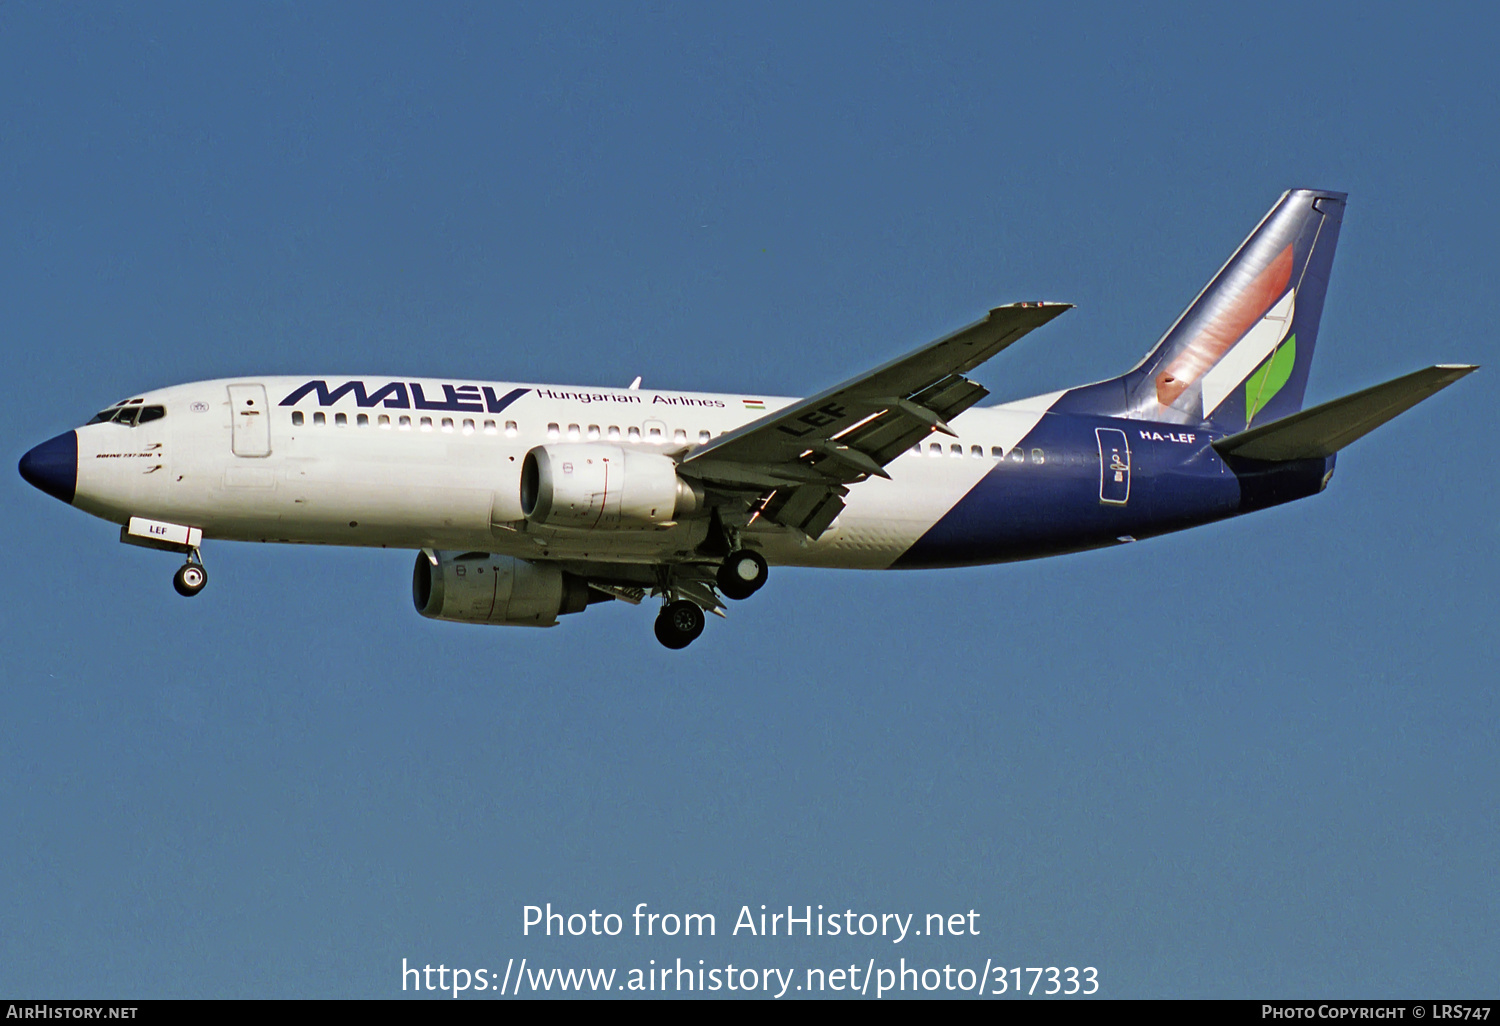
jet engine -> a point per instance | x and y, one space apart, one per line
477 587
603 487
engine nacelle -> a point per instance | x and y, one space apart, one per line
477 587
603 487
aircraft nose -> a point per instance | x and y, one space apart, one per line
53 466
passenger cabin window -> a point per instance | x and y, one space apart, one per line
654 436
679 436
977 451
553 432
385 421
935 449
703 437
997 452
425 424
511 430
614 433
341 419
296 418
319 418
447 425
955 450
1038 457
363 420
468 426
405 423
634 434
593 432
574 433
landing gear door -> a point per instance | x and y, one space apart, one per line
1114 466
252 420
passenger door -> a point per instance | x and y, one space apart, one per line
252 420
1114 466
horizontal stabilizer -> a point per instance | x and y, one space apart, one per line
1324 430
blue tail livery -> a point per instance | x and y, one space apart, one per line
1240 353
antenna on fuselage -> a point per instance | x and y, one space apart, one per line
634 384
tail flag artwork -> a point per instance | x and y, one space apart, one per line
1241 350
1224 327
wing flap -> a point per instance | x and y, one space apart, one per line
1325 429
809 509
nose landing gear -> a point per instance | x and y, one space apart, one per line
191 577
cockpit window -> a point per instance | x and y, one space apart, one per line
129 414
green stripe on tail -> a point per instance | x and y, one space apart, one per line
1262 386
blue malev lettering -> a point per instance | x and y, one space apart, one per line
393 395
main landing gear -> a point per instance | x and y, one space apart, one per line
742 574
679 623
191 577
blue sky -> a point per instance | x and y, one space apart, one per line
1258 758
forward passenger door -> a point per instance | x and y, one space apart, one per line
252 420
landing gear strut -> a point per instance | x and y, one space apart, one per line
679 623
742 574
190 577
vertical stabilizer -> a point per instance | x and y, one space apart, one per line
1239 355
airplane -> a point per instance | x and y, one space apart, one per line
528 502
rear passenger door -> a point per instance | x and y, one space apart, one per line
1114 466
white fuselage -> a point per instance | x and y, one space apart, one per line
230 459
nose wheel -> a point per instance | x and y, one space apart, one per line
679 624
742 574
190 577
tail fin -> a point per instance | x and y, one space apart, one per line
1239 355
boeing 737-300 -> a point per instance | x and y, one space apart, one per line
527 502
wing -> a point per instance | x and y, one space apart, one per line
801 459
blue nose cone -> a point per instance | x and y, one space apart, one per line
53 466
